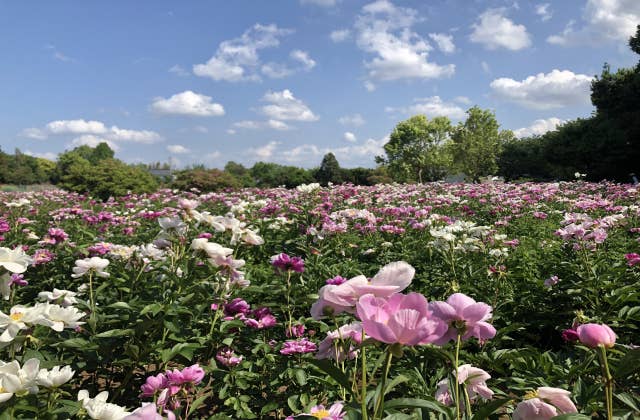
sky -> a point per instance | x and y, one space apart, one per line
287 81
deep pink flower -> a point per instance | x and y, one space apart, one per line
632 259
594 335
336 281
154 384
295 331
404 319
191 374
236 306
299 346
283 262
228 357
464 316
570 335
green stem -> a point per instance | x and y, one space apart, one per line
608 382
457 385
467 402
380 404
363 394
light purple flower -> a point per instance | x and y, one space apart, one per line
464 316
299 346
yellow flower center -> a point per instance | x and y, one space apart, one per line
17 316
531 394
321 414
2 390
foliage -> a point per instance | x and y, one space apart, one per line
204 180
329 171
477 142
23 169
415 151
273 175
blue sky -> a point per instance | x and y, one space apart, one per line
287 81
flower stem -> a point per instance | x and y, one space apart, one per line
363 394
380 404
457 386
608 382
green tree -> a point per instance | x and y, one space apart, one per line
477 143
240 172
416 149
205 180
267 174
329 170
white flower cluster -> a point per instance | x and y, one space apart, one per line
239 230
460 236
17 380
50 315
307 188
221 257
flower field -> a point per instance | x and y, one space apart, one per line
435 301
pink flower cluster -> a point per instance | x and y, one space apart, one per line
167 386
632 259
228 357
259 318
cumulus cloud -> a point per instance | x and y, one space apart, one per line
283 106
89 132
276 70
602 21
539 127
177 149
34 133
432 107
350 137
354 120
76 127
278 125
257 125
545 91
92 141
384 30
340 35
237 59
543 11
444 42
264 152
45 155
303 58
462 100
187 103
494 30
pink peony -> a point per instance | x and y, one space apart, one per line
594 335
404 319
465 316
544 404
632 259
154 384
299 346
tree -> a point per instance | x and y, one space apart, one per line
205 180
415 150
239 172
329 170
477 143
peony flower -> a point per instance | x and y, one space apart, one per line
329 350
299 346
63 298
544 404
14 260
18 380
392 278
464 316
148 411
90 265
58 317
189 375
154 384
473 378
335 412
228 357
594 335
404 319
283 262
55 377
632 259
99 408
20 318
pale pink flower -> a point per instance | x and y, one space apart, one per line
464 316
545 403
594 335
350 333
404 319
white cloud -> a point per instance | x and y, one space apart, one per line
92 141
350 137
213 156
284 106
444 42
321 3
187 103
494 30
360 154
432 107
303 58
304 155
237 59
545 91
264 152
384 30
369 85
603 21
257 125
276 70
231 131
46 155
355 120
58 55
135 136
179 70
177 149
76 127
539 127
34 133
543 11
462 100
340 35
485 67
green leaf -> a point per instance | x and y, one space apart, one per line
197 403
330 369
301 377
628 365
628 400
489 408
115 333
432 405
120 305
571 416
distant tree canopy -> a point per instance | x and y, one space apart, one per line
21 169
603 146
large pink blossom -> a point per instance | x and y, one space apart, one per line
465 316
594 335
404 319
392 278
546 403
